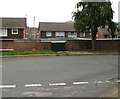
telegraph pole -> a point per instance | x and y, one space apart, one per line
35 35
34 21
26 15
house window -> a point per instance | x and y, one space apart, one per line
60 34
72 34
83 34
3 32
96 35
14 31
48 33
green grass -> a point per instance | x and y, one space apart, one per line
25 52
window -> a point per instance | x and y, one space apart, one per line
14 31
72 34
3 32
60 34
96 35
83 34
48 33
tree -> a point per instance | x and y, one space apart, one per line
113 29
91 15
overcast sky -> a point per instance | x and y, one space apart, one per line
43 10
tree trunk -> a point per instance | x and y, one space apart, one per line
93 44
94 40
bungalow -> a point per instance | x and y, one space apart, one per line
58 30
12 28
102 33
66 30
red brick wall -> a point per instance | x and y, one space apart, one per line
70 45
100 45
107 45
26 45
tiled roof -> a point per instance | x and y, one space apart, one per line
55 26
103 30
13 22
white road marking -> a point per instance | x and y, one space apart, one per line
118 81
107 81
99 82
79 83
7 86
2 66
57 84
33 85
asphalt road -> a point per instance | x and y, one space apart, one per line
59 76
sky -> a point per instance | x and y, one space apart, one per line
44 10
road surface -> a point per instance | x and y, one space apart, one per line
59 76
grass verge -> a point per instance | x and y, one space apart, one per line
26 52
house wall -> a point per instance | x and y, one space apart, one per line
100 35
81 35
101 45
43 35
20 34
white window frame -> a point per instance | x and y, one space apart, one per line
72 34
81 34
3 32
48 34
97 35
14 29
84 34
60 34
